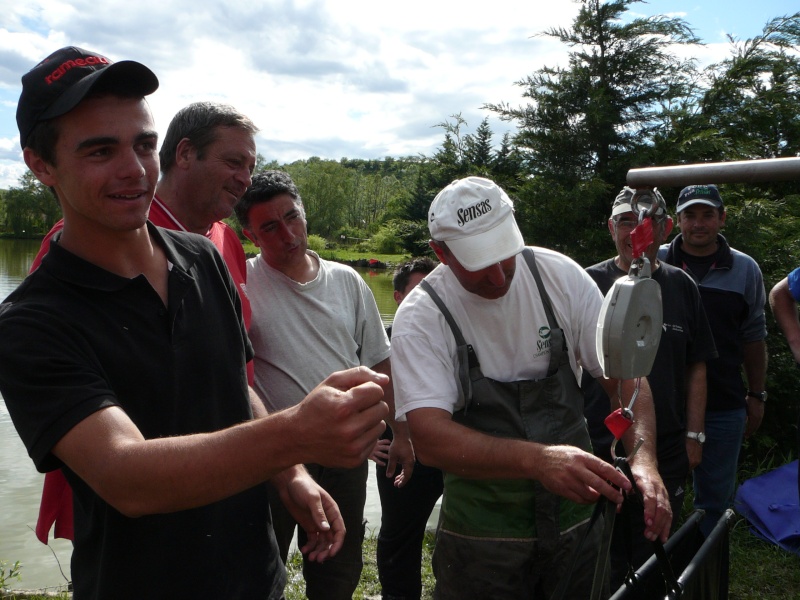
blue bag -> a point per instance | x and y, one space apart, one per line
771 504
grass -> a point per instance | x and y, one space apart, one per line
351 255
758 570
369 587
342 255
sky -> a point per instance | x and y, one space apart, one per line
330 78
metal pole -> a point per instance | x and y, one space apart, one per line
742 171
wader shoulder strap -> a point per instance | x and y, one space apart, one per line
460 341
467 358
552 322
530 259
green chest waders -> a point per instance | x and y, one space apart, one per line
548 411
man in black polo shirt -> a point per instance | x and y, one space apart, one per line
678 377
123 362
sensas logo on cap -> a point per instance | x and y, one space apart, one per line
465 215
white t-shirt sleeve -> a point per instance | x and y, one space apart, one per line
423 358
586 316
421 383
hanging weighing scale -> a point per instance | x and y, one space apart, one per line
631 318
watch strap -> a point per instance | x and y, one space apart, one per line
697 436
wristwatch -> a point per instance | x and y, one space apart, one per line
700 437
757 395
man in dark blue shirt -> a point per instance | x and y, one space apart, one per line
732 290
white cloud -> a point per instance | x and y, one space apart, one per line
332 78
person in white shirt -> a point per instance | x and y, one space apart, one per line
491 397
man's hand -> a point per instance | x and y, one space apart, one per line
341 418
694 451
380 453
657 509
314 510
755 414
579 476
401 452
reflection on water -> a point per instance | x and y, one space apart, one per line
380 282
21 484
16 257
20 488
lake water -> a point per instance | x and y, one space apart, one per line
21 485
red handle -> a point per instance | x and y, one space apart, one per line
618 423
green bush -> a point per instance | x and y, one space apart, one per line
350 235
387 241
317 243
7 573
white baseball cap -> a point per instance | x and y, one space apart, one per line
476 220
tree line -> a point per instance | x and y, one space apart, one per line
629 96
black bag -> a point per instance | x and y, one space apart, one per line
703 565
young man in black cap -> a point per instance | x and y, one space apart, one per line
112 369
207 158
732 290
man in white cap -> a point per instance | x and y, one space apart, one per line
486 360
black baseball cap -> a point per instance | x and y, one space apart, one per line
58 84
699 194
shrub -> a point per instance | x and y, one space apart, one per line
317 243
387 241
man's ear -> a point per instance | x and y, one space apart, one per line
722 218
42 169
668 225
437 249
249 235
184 153
611 228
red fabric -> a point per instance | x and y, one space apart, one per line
56 504
642 237
56 507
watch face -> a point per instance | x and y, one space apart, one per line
701 437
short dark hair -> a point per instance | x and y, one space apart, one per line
199 122
402 274
43 139
264 187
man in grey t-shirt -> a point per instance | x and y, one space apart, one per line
311 317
